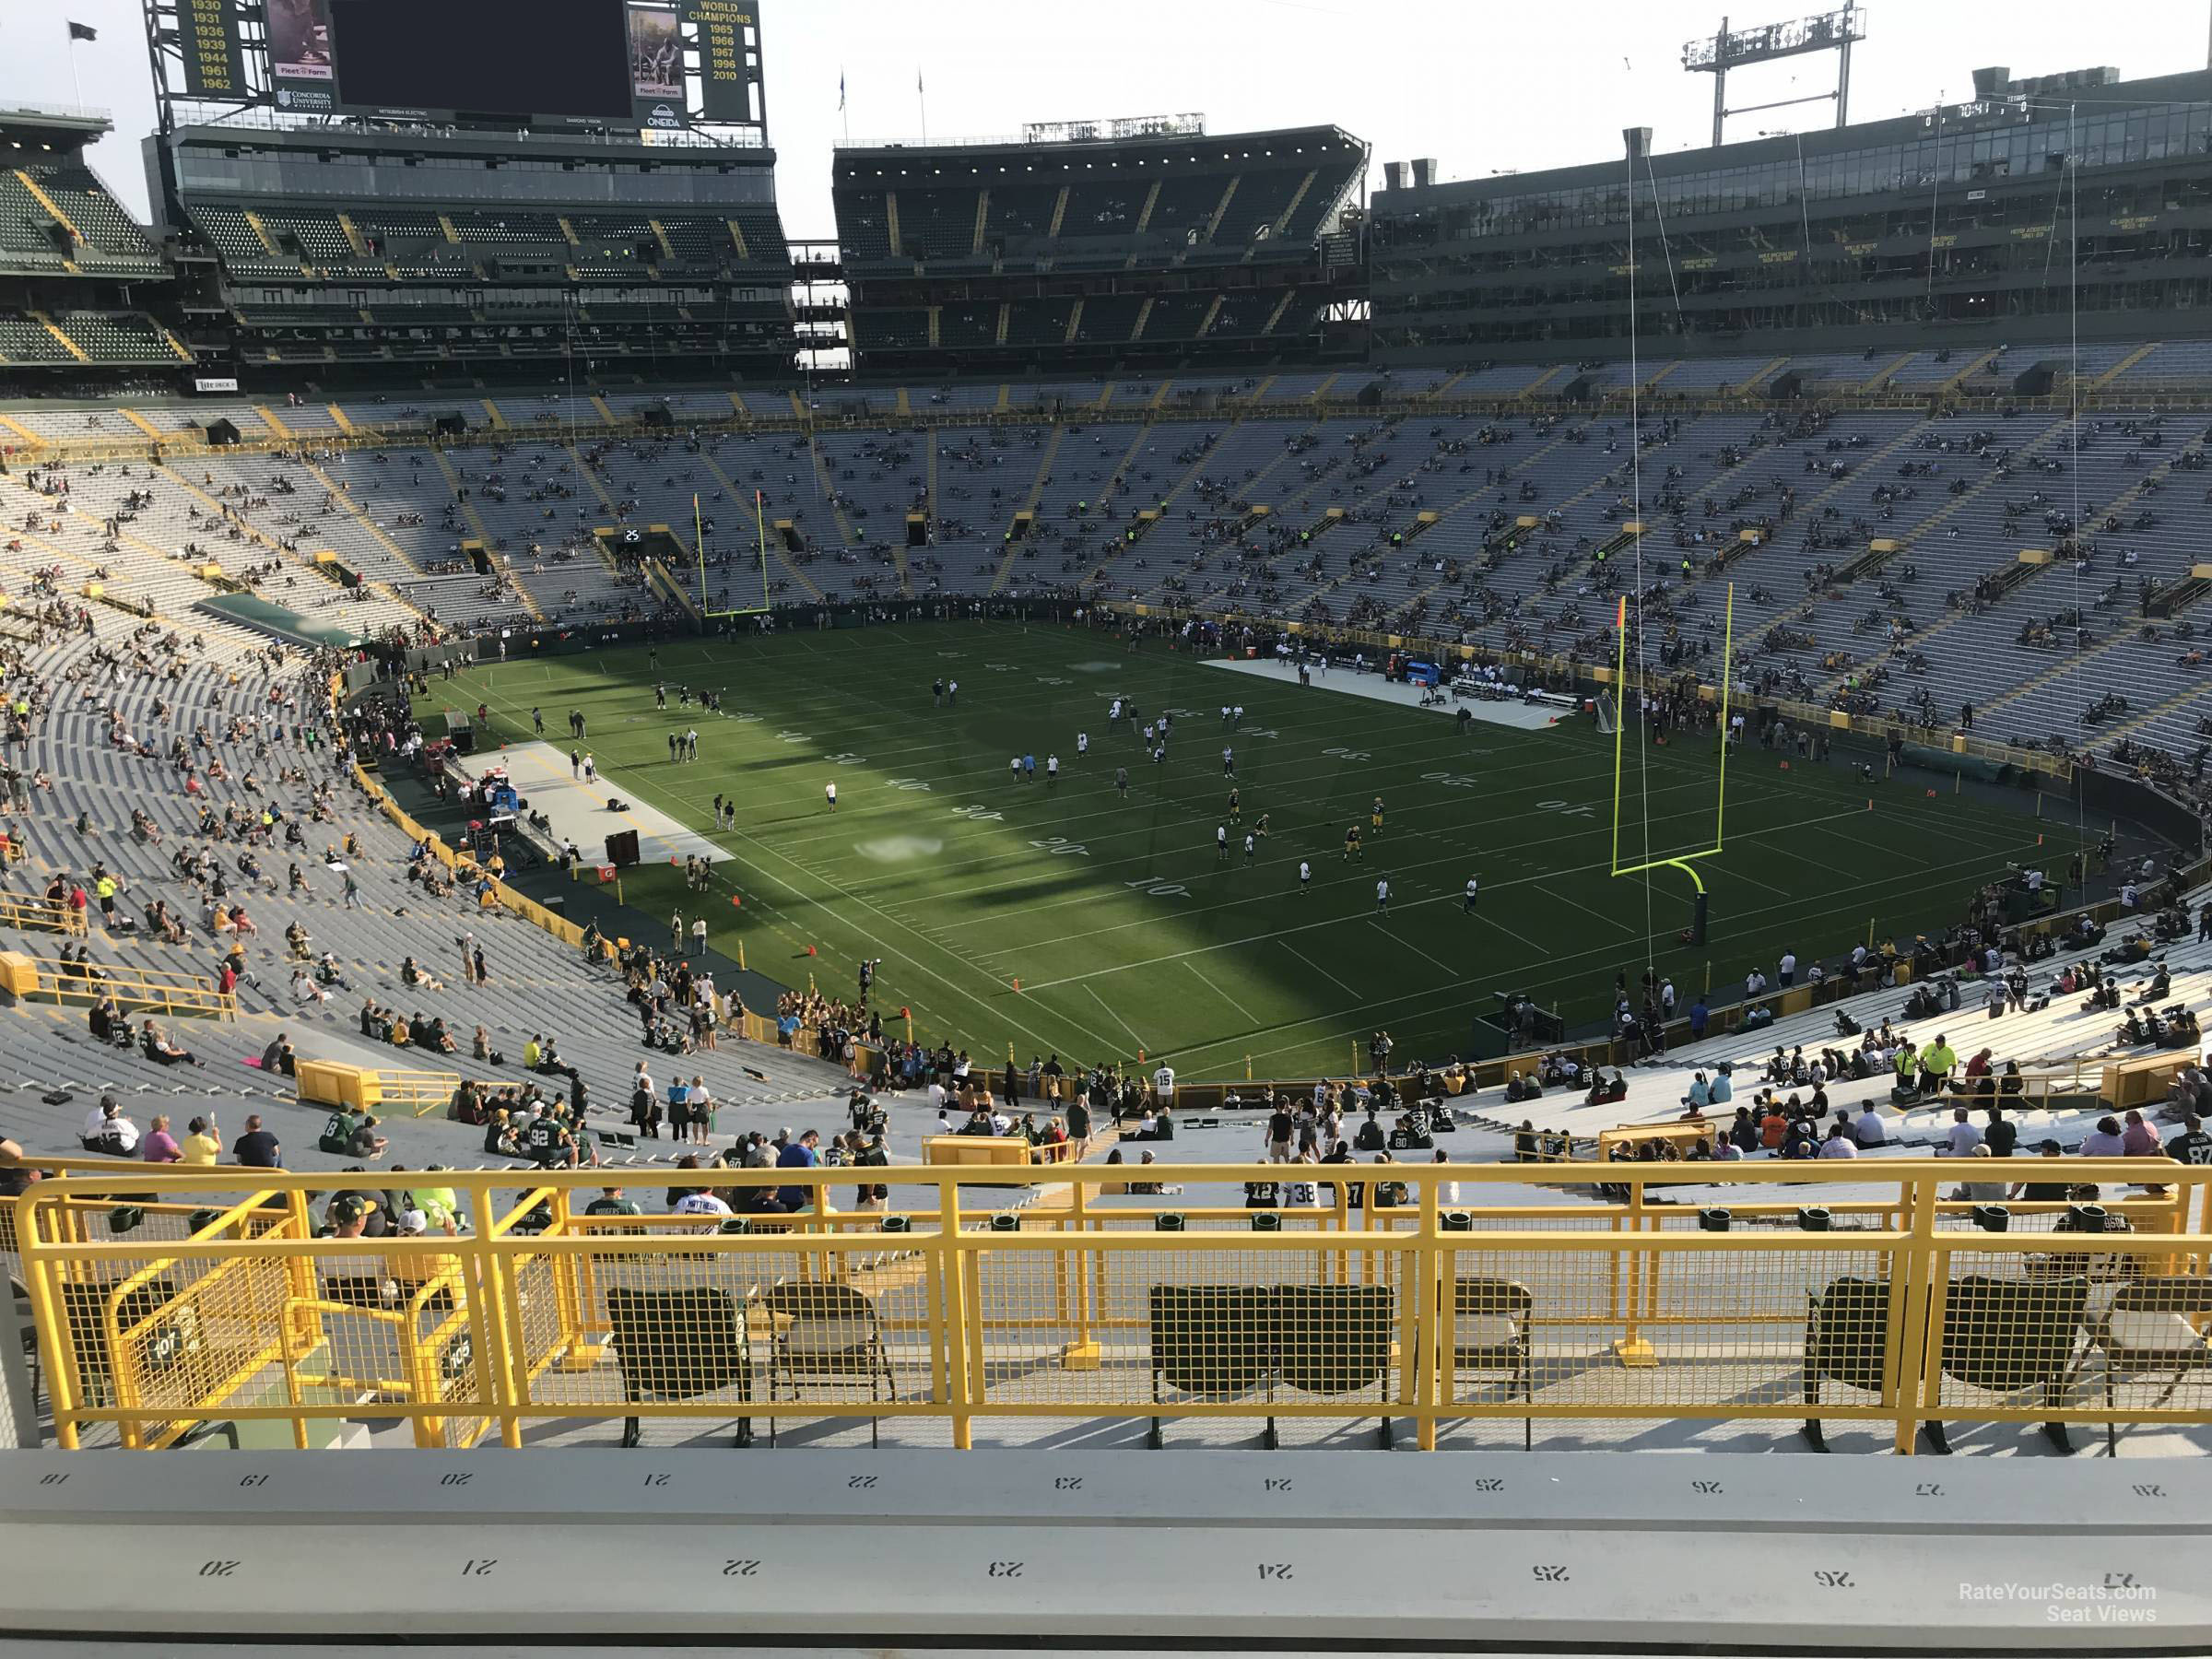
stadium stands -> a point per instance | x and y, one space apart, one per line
319 260
1959 605
1866 236
1096 251
77 274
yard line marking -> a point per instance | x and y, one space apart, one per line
1317 967
1561 898
1402 944
1754 881
1116 1018
1224 995
1509 933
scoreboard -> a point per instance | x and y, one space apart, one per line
641 64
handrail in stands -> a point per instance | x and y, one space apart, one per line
40 915
156 990
1644 1301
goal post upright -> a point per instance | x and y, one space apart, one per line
700 543
1684 861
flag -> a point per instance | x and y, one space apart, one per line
917 82
83 31
841 89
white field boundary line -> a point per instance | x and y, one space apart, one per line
1578 904
1116 1018
1526 943
1209 869
1224 995
1278 753
1768 791
987 777
1317 967
1404 945
969 997
1457 860
874 714
1153 857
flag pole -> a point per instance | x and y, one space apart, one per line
922 97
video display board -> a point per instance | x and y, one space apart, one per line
540 63
552 60
299 56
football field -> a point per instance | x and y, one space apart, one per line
1126 929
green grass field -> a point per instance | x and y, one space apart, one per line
1125 929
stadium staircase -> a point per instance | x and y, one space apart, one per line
1542 380
66 344
1189 476
1015 544
1959 379
474 520
37 193
359 514
1228 191
776 549
1884 551
847 537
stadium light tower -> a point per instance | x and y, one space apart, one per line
1834 31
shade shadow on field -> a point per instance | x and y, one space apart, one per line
1021 893
774 761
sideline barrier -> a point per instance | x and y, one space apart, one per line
1537 1292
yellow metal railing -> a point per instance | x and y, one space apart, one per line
155 989
164 1302
40 915
368 1088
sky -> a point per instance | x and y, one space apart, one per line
1480 87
